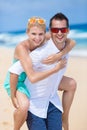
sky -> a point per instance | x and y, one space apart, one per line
15 14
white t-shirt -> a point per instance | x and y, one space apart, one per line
44 91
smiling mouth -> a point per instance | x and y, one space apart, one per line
59 38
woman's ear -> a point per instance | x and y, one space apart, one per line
27 31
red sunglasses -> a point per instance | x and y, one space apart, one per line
56 30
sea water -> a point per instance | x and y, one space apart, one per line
77 32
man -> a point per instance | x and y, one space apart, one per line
67 84
59 30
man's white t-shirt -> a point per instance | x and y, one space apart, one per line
44 91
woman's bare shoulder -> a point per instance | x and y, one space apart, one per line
21 48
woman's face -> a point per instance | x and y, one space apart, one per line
36 35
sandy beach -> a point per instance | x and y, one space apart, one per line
77 68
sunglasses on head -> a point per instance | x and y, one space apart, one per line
38 20
56 30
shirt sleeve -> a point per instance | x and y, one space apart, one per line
16 68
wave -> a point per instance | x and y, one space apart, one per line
79 35
8 39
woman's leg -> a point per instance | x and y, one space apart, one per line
20 114
68 86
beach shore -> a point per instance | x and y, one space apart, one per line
77 68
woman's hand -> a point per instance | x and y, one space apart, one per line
61 64
52 59
15 101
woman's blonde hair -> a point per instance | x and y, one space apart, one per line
36 21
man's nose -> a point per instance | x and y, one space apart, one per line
59 32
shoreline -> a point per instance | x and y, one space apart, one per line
77 69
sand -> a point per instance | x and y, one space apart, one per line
77 68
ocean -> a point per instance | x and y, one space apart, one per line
77 32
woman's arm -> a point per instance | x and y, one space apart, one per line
69 45
23 55
56 57
33 75
13 84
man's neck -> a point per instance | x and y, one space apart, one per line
60 46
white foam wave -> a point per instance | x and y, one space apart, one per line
11 39
76 34
8 39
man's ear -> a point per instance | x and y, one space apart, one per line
68 30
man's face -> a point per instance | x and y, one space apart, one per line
59 31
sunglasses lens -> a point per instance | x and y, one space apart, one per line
56 30
38 20
32 20
64 30
41 21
